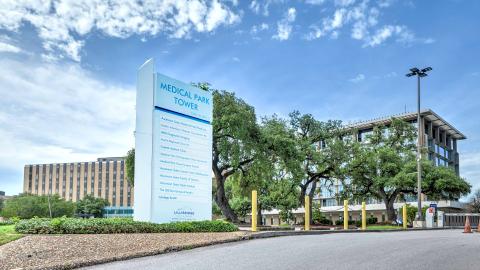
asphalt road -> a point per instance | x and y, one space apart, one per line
448 249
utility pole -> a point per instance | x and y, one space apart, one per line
420 74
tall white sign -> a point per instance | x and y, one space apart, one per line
173 149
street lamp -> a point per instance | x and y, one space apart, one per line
420 74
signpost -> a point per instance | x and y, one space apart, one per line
173 149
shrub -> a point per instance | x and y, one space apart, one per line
6 222
340 222
27 206
66 225
372 220
91 205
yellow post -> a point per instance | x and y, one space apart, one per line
405 216
307 213
364 216
254 210
345 214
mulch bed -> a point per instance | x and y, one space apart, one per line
76 250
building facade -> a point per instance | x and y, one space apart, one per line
437 136
104 178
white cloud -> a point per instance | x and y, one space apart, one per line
255 7
385 3
61 113
259 28
284 26
9 48
235 59
360 77
344 3
315 2
402 34
62 25
362 17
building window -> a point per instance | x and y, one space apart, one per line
107 180
64 180
37 172
114 184
122 167
57 177
70 192
92 175
85 175
78 181
30 178
44 168
50 172
100 165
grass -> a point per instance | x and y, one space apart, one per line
8 234
384 227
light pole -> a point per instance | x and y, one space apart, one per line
420 74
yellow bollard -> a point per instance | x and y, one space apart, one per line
307 213
254 210
405 216
364 216
345 214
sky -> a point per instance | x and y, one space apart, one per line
68 68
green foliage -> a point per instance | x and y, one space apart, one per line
216 210
316 214
372 220
242 206
412 212
116 225
474 204
340 222
235 142
8 234
91 205
286 215
27 206
320 151
384 167
318 217
130 166
10 221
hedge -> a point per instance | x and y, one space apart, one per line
116 225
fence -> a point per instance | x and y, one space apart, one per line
458 219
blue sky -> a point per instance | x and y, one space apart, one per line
67 84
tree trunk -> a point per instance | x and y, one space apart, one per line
311 193
222 201
259 215
391 216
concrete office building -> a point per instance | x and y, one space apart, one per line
104 178
439 137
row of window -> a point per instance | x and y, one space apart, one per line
79 182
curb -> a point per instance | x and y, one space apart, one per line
269 234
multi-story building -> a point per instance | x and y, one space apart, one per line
104 178
437 136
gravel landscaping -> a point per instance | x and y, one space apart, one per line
71 251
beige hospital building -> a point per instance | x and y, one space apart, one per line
104 178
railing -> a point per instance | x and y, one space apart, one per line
458 219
